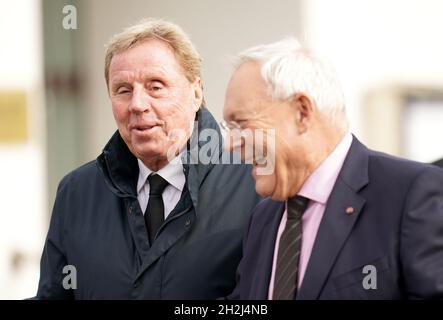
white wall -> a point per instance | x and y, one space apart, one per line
22 166
374 43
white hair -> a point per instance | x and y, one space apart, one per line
288 69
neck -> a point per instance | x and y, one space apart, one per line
317 148
161 161
324 147
155 164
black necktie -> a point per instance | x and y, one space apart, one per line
155 211
285 283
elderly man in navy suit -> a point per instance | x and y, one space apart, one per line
340 221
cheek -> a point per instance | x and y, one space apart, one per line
285 145
121 114
178 117
281 166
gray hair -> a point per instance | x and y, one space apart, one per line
287 69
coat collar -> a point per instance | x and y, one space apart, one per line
120 169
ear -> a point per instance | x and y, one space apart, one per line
198 93
303 108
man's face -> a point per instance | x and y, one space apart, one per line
153 102
248 104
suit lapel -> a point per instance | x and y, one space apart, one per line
332 234
262 275
338 221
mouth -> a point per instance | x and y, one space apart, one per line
143 128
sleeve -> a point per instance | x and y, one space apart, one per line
421 245
235 294
54 259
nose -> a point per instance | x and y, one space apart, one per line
140 101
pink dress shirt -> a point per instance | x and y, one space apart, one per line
317 189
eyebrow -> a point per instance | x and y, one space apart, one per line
146 78
119 78
119 83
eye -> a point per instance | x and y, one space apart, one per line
156 86
123 90
240 123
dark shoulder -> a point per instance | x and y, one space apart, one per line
80 176
438 163
392 167
233 176
265 211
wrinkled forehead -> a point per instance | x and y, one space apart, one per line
150 53
246 90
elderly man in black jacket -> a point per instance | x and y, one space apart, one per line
159 214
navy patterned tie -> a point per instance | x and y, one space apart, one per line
286 273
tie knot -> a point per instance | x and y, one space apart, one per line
297 206
156 184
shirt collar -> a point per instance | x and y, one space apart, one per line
172 172
320 183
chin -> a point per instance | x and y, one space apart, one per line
264 184
149 151
263 187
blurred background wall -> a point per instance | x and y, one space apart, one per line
56 115
23 170
388 55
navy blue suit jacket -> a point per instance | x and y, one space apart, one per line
397 227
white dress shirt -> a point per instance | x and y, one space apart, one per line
173 173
